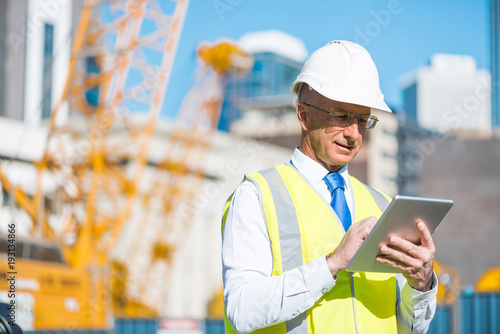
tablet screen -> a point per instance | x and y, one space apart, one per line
398 219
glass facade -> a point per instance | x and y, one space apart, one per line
270 78
48 53
92 95
410 101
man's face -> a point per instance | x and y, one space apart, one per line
331 145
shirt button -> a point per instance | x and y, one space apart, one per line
324 290
294 314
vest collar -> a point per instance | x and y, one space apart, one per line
312 170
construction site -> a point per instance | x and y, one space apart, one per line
111 212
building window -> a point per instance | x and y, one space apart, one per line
48 54
92 68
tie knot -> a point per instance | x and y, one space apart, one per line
334 181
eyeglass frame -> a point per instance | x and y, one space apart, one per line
373 119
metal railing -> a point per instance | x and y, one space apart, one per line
480 313
477 313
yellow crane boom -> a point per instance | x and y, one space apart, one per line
121 60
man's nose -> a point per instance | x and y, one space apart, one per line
353 130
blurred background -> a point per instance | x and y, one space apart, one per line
125 126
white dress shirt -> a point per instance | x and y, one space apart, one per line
254 299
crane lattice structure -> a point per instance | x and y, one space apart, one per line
120 66
121 59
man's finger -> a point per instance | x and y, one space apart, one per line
425 235
406 246
370 221
403 267
400 257
364 226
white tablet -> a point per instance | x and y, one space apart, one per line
398 219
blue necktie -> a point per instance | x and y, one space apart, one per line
339 204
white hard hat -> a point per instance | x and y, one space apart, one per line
343 71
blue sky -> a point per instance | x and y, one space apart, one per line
401 35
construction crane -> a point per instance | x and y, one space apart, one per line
109 69
120 65
177 179
103 178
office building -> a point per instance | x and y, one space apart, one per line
35 44
467 238
450 96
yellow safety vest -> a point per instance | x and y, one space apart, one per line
303 227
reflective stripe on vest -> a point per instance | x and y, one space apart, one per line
289 232
288 201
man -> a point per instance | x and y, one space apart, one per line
287 232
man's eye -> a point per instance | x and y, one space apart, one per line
342 117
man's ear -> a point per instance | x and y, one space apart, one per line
303 116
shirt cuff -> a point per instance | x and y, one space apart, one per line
317 277
421 299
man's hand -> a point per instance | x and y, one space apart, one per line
346 249
415 262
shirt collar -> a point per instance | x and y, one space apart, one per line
311 169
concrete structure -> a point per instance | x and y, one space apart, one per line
35 44
282 130
450 95
495 64
12 58
467 172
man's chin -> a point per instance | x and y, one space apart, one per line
343 158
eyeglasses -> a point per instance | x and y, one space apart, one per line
344 119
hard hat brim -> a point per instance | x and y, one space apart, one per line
344 96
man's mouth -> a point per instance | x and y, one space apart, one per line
346 147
